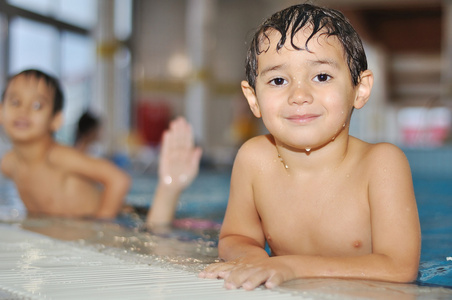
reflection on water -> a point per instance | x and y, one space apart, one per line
188 249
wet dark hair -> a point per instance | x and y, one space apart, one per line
289 21
86 124
52 82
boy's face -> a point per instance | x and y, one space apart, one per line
305 98
26 110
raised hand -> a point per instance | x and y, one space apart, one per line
178 167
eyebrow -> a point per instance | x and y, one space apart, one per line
318 62
328 62
272 68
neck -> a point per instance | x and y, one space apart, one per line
324 157
33 151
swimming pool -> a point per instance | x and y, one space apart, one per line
191 247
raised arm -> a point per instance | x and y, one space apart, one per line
178 167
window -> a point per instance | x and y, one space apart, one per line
76 12
33 45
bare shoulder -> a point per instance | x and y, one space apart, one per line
66 157
255 148
381 161
61 153
384 154
8 162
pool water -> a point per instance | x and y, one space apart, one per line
434 198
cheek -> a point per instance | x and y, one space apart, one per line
340 110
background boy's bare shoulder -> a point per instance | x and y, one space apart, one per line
65 156
8 161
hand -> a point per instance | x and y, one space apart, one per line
249 274
179 158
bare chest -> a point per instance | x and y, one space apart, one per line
38 184
316 216
49 190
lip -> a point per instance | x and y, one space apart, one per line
302 119
21 123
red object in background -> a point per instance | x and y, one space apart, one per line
152 120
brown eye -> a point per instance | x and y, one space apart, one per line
322 77
278 81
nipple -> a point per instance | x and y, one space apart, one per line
357 244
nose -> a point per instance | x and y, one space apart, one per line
300 94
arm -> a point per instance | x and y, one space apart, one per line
116 185
395 237
178 167
241 238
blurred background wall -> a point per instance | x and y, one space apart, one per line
139 63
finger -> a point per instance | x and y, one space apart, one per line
216 270
179 130
274 281
247 278
196 158
189 135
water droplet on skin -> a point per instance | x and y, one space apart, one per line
333 138
343 126
167 180
308 149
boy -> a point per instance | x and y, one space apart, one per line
53 179
328 204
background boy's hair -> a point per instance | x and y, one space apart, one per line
86 124
324 20
58 99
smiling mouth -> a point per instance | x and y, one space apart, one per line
303 119
21 124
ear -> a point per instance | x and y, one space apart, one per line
250 95
57 121
364 88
